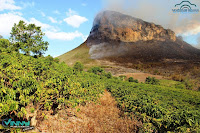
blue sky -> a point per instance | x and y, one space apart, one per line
67 23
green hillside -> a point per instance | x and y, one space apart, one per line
81 54
42 83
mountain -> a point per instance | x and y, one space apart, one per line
122 38
113 26
115 35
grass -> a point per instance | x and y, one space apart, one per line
81 54
168 83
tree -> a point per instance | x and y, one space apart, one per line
28 38
1 36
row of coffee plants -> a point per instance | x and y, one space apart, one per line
160 108
43 83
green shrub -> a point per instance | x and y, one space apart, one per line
78 66
152 80
108 75
156 71
131 79
122 77
32 110
180 86
188 84
5 46
96 70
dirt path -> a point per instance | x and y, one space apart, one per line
92 118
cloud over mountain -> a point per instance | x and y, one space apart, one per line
74 19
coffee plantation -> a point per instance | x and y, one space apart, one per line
46 84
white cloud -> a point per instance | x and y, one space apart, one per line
55 56
188 28
27 4
182 23
56 12
60 21
52 20
71 12
43 14
16 13
75 20
84 4
7 21
84 37
67 36
44 26
8 5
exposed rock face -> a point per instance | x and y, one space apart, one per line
115 35
110 25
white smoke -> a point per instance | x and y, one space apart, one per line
159 12
198 45
95 51
103 50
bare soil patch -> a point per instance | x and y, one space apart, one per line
102 117
119 69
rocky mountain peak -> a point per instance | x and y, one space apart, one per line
111 25
118 36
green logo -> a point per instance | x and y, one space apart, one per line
16 124
9 123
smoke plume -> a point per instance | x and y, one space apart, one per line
156 11
159 12
103 50
198 45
